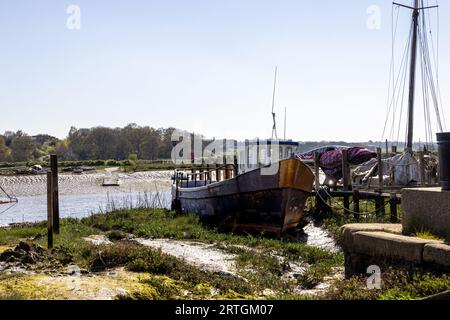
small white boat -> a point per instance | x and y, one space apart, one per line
111 182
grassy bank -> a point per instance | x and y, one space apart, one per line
262 262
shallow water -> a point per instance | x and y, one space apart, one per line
34 208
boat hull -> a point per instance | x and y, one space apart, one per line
252 201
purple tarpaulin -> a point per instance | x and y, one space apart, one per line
331 159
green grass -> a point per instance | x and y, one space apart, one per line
259 257
397 284
427 235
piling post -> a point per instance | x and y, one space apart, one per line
380 168
49 211
394 150
393 201
346 179
226 172
422 168
217 172
236 165
356 206
316 171
55 192
208 172
379 206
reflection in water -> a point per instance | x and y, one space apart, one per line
34 208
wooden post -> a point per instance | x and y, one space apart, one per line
345 179
225 163
208 172
49 211
422 168
236 166
55 193
380 168
394 150
379 206
393 201
356 207
217 172
316 171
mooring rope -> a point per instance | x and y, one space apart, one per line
342 207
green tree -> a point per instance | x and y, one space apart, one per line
4 150
22 148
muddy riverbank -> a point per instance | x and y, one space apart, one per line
88 183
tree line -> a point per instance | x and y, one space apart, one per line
101 143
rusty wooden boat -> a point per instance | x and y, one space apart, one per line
249 201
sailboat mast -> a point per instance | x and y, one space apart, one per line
412 77
274 128
285 111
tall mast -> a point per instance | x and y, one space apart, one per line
274 128
412 76
285 111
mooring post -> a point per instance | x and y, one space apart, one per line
55 193
217 172
346 179
356 207
225 167
208 172
316 171
236 165
49 211
393 201
394 150
380 168
422 168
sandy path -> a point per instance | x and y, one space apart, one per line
88 183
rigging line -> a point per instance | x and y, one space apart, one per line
392 67
423 79
394 112
436 87
430 77
423 38
10 207
396 84
431 91
438 63
405 75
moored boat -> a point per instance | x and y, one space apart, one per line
250 201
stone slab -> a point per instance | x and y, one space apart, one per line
392 246
426 209
348 230
437 254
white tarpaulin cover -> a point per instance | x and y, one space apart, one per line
402 169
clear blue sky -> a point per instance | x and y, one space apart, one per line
202 65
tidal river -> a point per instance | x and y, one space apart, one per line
83 195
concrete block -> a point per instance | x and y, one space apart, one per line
348 230
391 246
437 253
426 209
